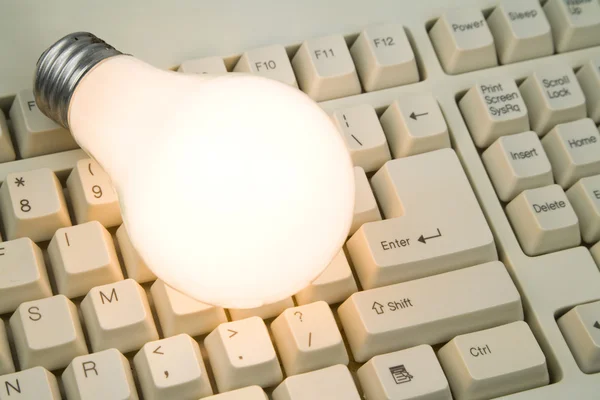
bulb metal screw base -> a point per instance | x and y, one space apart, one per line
61 67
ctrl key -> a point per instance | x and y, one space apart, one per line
31 384
494 362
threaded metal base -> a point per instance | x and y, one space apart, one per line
61 67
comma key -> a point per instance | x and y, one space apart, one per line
172 368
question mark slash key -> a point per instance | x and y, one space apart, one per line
308 338
172 368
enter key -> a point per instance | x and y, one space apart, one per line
433 222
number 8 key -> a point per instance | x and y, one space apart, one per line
33 205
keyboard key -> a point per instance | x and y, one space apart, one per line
271 62
364 136
463 41
409 374
517 162
6 362
206 65
325 384
23 274
584 196
31 384
241 354
438 229
589 79
430 310
33 205
47 333
575 24
573 149
494 108
172 369
365 205
92 195
544 220
83 256
307 338
521 31
414 124
335 284
384 58
265 312
179 313
134 265
100 376
494 362
60 163
325 70
35 133
118 315
553 96
247 393
581 329
7 152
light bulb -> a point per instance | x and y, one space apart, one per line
236 190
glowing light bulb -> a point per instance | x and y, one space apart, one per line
236 190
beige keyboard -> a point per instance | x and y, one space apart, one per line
471 269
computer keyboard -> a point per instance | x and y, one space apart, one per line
471 269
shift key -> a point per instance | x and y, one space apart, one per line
435 223
430 310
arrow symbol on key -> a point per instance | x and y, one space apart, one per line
158 352
416 116
424 239
378 308
233 333
597 325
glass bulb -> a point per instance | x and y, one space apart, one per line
235 189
